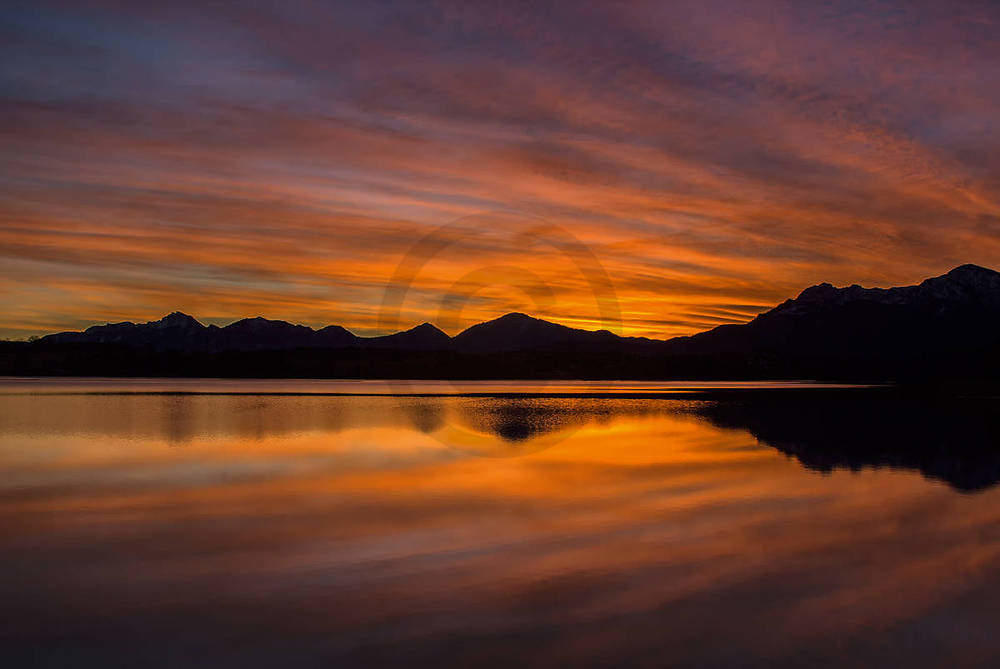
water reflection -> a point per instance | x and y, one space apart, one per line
253 530
950 440
181 418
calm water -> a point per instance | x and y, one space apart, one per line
234 523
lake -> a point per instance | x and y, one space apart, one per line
156 522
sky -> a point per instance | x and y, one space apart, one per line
655 168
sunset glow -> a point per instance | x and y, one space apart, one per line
715 157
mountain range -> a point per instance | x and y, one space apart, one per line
949 322
180 332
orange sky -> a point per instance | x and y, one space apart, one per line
710 159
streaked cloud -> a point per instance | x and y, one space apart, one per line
281 161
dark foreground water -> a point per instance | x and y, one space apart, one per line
147 523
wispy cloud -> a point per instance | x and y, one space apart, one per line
233 161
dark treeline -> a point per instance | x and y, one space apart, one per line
87 359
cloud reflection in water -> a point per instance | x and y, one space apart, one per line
252 530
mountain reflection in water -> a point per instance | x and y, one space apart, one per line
952 440
298 530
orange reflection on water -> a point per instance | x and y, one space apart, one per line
368 529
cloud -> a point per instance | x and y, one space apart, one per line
284 160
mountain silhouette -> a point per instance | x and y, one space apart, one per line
180 332
424 337
960 309
258 333
335 336
175 331
947 326
519 332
